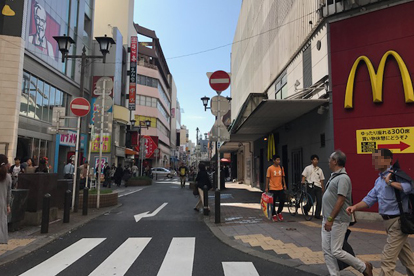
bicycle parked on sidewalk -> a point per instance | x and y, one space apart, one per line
299 198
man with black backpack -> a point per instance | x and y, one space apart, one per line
384 192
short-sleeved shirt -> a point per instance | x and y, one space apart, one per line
313 175
182 170
339 185
275 175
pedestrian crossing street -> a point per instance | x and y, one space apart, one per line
178 260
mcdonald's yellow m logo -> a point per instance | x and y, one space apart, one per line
378 78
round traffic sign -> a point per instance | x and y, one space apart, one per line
80 106
219 81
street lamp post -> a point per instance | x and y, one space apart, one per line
64 42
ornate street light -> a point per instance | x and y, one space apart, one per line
205 100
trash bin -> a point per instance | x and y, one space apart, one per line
18 206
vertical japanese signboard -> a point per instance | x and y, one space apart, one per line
133 72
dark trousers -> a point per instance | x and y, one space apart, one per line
316 194
280 196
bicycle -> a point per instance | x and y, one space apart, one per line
299 198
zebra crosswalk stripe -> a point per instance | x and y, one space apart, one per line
57 263
179 258
122 258
239 268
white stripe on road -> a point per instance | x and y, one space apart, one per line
78 106
239 269
220 81
135 192
179 258
57 263
123 257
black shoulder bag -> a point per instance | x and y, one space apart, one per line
407 219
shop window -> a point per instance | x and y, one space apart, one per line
281 87
39 100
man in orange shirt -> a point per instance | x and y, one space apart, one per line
276 184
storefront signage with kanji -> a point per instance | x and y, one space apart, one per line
397 139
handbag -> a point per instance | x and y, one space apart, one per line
195 189
406 219
266 203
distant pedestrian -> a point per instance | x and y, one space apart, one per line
336 199
15 170
314 175
385 188
68 170
83 174
134 170
42 168
30 168
119 172
202 180
183 171
276 184
5 197
107 175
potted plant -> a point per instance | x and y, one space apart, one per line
139 181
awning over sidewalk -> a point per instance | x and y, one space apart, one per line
130 152
271 114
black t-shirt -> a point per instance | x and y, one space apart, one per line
182 170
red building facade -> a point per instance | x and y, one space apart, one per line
372 67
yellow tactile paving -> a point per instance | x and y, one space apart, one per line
13 244
354 229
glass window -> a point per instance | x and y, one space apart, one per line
39 100
154 83
58 98
148 81
25 94
142 100
46 107
148 101
154 102
52 97
36 143
32 97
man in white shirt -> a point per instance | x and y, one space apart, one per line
314 174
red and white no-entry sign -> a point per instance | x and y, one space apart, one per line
219 81
80 106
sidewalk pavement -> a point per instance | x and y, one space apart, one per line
294 242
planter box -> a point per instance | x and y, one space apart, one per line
141 182
106 200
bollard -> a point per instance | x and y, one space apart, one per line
85 201
76 191
217 206
205 195
67 206
45 214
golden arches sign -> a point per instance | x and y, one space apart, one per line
378 78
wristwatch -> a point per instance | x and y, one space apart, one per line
389 182
330 219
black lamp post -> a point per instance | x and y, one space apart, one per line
64 42
205 100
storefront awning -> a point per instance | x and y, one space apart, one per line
272 114
130 152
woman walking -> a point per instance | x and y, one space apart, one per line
5 194
202 180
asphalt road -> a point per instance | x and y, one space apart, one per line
174 241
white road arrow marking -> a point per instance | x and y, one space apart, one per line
146 215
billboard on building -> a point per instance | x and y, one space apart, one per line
11 17
43 27
372 71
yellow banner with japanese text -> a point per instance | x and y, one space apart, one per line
396 139
96 143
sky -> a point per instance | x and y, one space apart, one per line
185 27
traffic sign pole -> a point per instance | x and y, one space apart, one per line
75 178
101 144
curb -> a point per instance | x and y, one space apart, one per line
43 240
289 263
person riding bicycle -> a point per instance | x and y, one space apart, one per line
314 174
276 184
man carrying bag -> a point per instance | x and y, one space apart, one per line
384 192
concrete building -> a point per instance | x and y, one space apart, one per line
290 68
34 79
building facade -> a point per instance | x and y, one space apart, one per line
310 93
34 79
